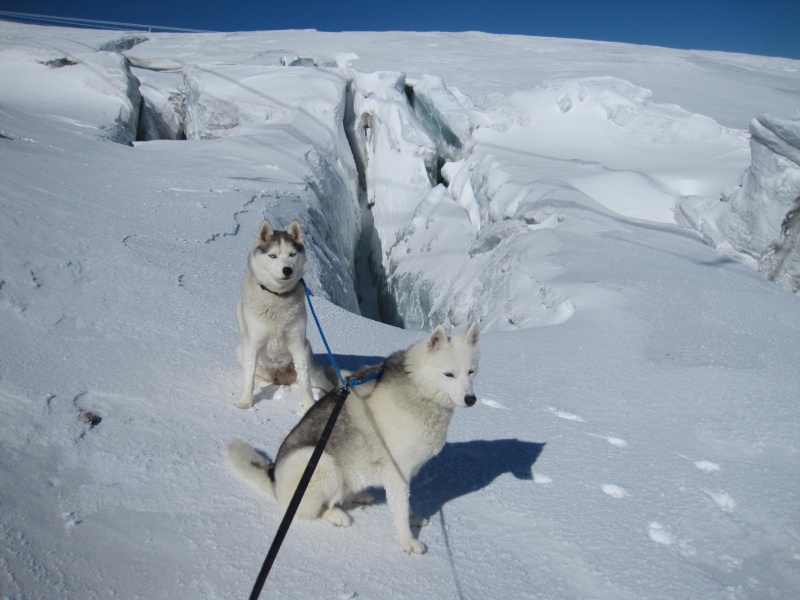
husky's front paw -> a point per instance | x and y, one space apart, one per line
245 403
413 546
338 517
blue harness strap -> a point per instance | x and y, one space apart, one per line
350 382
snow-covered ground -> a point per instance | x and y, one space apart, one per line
637 430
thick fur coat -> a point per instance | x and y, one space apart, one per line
271 314
387 430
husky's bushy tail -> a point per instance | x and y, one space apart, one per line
252 466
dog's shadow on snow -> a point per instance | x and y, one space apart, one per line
465 467
461 467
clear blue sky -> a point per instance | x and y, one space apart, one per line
767 27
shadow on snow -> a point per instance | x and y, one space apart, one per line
465 467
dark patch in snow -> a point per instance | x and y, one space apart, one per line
57 63
90 418
34 279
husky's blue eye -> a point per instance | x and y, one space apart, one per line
449 374
292 254
273 255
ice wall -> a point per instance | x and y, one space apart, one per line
758 221
93 89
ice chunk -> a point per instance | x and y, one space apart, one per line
758 222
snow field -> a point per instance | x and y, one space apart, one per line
643 444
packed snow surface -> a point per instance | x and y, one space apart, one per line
637 430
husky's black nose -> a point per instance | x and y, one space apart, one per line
287 271
470 399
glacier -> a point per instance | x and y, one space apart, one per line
636 430
412 170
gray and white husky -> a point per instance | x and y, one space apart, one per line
272 317
388 428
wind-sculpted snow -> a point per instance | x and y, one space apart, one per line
403 149
630 107
439 172
245 99
520 157
757 222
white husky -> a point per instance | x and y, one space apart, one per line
388 428
272 317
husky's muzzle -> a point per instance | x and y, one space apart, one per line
470 400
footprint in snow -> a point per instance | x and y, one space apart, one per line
70 520
565 415
614 491
660 535
493 404
722 499
706 466
614 441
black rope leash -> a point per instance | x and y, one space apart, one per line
294 504
298 494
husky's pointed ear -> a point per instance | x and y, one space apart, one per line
295 232
264 232
472 334
437 339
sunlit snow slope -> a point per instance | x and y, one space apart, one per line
636 432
